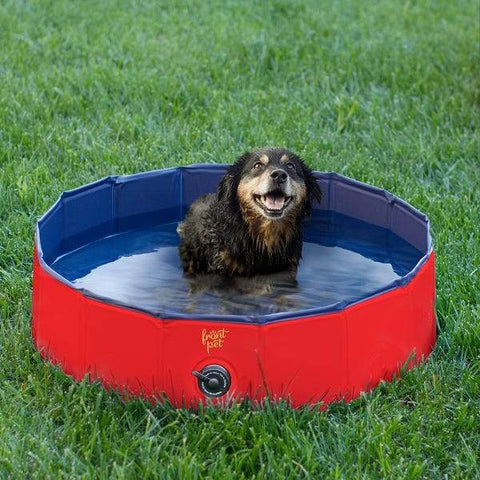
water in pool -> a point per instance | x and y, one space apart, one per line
344 260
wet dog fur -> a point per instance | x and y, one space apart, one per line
253 225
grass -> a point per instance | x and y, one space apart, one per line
386 92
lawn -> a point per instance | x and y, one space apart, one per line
386 92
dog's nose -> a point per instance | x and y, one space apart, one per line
278 176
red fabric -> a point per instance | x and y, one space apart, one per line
306 360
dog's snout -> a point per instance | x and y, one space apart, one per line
279 176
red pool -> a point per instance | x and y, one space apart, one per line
110 302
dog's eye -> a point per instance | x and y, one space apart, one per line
290 166
257 165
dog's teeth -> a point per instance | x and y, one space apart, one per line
274 201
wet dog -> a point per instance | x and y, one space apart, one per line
253 225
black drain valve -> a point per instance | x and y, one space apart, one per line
213 380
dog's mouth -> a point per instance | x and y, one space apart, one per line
273 203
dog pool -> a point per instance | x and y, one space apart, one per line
110 299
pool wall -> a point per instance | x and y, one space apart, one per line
316 355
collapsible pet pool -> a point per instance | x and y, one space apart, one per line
110 300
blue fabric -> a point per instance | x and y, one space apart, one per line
116 204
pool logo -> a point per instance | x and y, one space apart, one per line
214 338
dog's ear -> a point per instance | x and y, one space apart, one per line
227 188
313 190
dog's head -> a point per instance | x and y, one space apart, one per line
271 184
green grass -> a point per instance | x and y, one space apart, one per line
386 92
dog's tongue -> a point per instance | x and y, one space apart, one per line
274 202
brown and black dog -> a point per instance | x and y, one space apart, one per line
253 225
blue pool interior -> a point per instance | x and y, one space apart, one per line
116 241
344 260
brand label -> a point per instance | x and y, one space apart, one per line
214 338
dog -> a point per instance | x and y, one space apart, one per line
253 225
